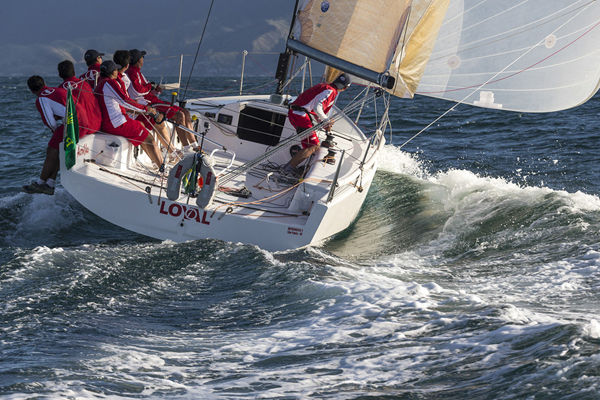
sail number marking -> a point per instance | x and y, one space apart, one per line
295 231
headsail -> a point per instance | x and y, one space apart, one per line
416 44
521 55
356 36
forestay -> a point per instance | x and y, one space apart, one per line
521 55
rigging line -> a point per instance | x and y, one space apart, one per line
264 69
227 90
504 69
278 194
362 106
126 179
198 50
288 83
385 118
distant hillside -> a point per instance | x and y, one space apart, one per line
35 46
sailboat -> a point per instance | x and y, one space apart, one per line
517 55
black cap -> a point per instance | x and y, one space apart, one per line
136 55
91 55
343 81
108 67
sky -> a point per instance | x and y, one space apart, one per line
35 35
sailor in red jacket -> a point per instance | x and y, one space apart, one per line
93 59
122 58
114 104
83 95
51 103
310 108
144 92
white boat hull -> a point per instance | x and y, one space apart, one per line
119 196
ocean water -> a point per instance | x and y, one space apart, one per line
472 271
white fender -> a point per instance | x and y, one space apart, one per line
210 186
176 175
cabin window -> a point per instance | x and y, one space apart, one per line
225 119
260 126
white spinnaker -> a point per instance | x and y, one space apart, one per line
520 55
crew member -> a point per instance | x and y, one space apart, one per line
122 58
310 108
51 103
145 92
91 120
114 104
93 59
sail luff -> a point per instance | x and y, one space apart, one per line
414 50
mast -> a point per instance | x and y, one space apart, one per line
284 58
282 70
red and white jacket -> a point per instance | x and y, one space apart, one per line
92 75
50 103
318 101
124 79
89 116
140 89
114 102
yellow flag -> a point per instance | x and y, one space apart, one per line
71 132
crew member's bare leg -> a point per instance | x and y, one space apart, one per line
183 118
149 146
51 164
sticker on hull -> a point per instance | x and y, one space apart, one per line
188 213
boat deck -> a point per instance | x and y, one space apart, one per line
264 190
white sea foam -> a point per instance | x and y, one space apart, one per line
368 329
375 317
41 215
464 187
393 159
592 330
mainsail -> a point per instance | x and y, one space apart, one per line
520 55
357 36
